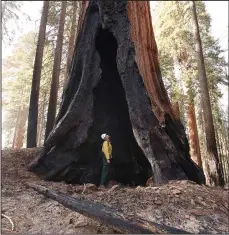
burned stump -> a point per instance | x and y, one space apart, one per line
115 87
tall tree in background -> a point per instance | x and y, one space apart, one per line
17 73
56 72
71 40
176 43
34 96
21 128
215 176
193 135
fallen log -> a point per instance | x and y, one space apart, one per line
110 217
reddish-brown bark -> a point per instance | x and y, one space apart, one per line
216 177
147 60
83 8
15 129
176 110
21 128
193 136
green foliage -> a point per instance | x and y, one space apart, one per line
18 67
17 70
175 40
176 45
11 13
17 73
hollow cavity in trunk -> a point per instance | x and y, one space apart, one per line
111 116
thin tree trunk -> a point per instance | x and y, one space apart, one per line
201 124
56 73
71 41
34 96
16 127
224 152
213 159
183 89
224 136
193 135
21 128
226 157
38 127
41 128
220 150
176 109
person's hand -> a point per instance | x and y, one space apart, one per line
108 161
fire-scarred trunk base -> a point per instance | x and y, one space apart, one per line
106 93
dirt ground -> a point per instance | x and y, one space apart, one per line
180 204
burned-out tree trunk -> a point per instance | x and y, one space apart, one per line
56 72
216 177
34 96
115 87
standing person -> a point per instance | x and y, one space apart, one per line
107 155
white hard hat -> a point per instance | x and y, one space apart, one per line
103 136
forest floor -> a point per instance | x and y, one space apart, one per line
180 204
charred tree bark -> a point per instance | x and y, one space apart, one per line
115 86
71 41
34 96
112 218
193 136
214 164
56 73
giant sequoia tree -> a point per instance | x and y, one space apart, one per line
115 87
214 167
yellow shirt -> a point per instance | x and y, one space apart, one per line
107 149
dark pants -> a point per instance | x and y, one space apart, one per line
104 171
